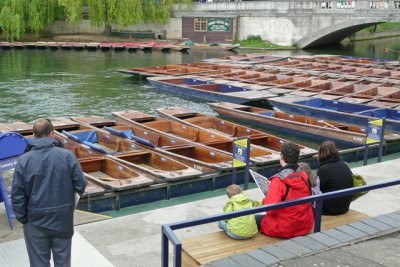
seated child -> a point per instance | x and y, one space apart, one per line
243 227
313 179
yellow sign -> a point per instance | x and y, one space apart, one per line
242 143
238 163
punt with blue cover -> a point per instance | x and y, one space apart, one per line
209 90
340 111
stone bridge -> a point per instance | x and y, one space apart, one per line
303 23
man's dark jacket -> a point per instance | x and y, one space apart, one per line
44 183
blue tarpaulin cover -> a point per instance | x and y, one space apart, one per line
11 145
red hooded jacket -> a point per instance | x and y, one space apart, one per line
292 221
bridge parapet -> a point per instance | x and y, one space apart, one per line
243 6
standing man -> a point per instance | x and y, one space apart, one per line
44 183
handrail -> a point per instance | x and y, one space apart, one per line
168 235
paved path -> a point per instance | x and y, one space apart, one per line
135 240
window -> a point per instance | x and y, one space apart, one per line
200 25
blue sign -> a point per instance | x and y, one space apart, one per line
7 167
240 148
12 145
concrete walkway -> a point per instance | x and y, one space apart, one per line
135 240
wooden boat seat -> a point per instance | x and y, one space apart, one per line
101 176
210 247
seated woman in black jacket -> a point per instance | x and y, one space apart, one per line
334 174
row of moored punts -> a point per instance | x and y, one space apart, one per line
116 46
140 150
103 46
329 88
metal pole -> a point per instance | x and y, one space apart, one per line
317 216
164 248
178 255
247 168
381 141
365 155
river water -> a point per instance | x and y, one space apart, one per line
47 83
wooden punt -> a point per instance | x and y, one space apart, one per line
41 45
105 46
143 46
117 46
227 128
163 47
348 90
54 45
113 175
102 170
388 101
345 112
347 134
202 158
79 46
224 144
167 70
181 48
337 65
26 128
18 45
30 45
67 45
131 47
5 45
93 189
150 163
380 92
92 46
195 87
223 47
324 86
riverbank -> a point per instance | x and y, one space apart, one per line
363 36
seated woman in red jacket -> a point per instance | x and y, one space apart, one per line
290 183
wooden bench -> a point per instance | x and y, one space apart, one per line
206 248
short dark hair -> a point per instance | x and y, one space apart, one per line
42 128
327 150
290 152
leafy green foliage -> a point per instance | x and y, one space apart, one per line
17 16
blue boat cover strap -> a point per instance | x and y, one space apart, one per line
81 137
142 141
129 134
11 145
120 133
268 114
95 147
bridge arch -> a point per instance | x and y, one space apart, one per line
335 33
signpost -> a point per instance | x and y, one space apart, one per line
7 167
375 134
241 158
12 145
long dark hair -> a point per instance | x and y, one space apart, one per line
327 150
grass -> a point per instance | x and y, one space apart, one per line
255 41
388 26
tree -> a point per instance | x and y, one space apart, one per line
17 16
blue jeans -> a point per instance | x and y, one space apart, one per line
224 226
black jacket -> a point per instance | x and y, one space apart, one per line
334 174
43 187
